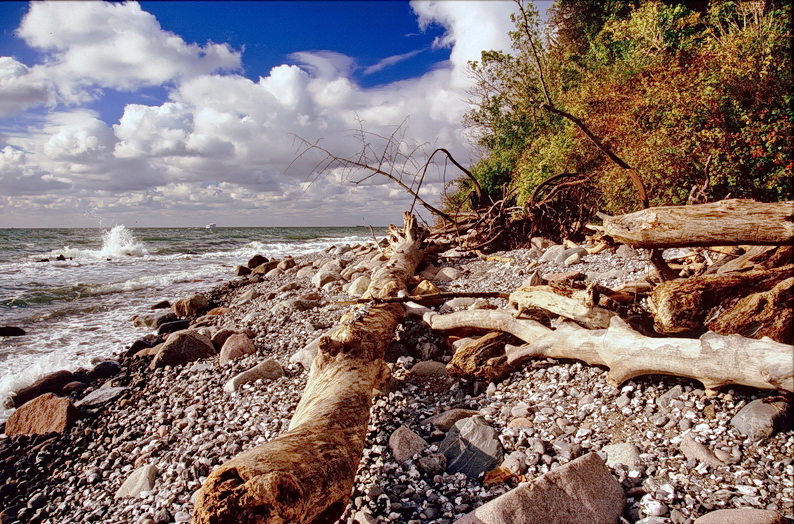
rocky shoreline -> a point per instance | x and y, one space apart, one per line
678 451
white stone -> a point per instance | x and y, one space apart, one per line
140 480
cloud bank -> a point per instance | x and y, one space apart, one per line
222 147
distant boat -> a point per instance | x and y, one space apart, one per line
210 226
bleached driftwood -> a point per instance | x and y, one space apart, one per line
715 360
574 307
723 223
306 474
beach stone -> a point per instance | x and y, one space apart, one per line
286 264
219 337
145 342
444 421
299 304
101 395
694 450
551 253
11 331
265 268
323 277
742 516
666 399
171 327
520 422
190 307
183 347
52 383
333 265
433 464
247 297
471 447
267 370
581 491
274 273
305 272
359 286
567 276
624 251
534 279
621 453
574 259
516 462
154 320
256 260
428 369
446 274
104 369
761 418
404 444
565 254
73 387
241 271
142 479
217 311
235 347
44 414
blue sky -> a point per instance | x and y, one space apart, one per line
183 113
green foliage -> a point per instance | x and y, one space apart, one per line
663 87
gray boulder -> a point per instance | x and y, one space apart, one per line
761 418
582 491
183 347
471 447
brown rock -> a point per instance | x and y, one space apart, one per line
444 421
580 492
241 271
404 444
287 263
256 260
218 311
190 307
52 383
182 347
742 516
235 347
46 413
267 267
520 422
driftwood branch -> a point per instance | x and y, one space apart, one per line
715 360
575 307
725 223
306 474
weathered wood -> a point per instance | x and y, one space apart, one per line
306 474
482 359
574 307
690 305
727 222
765 314
715 360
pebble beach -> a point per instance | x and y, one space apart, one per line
677 449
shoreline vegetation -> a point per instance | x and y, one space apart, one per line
135 438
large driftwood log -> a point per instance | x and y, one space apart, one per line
306 474
687 305
715 360
728 222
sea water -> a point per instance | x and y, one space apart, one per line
78 310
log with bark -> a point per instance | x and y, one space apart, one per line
306 474
723 223
726 303
715 360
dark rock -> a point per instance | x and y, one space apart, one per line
11 331
182 347
149 341
44 414
52 383
561 278
74 387
762 418
105 369
241 271
257 260
471 447
394 351
154 320
163 304
101 396
170 327
434 464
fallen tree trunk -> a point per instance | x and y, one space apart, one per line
715 360
691 305
306 474
727 222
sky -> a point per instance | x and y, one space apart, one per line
179 114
